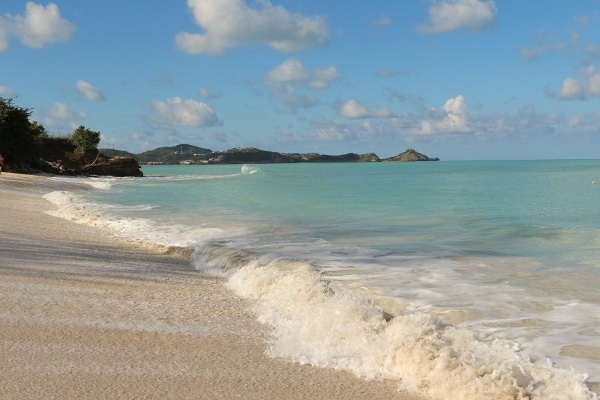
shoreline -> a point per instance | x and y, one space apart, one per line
84 316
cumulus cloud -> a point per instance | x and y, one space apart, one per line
6 91
585 123
207 94
326 130
353 109
451 118
89 91
293 71
40 25
231 23
451 15
61 115
287 94
323 77
290 70
571 89
176 111
284 79
63 112
452 122
589 85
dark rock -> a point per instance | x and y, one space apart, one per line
60 158
114 166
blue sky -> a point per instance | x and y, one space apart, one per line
456 79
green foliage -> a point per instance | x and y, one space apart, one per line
85 139
174 154
19 138
116 153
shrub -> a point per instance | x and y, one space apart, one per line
85 139
19 137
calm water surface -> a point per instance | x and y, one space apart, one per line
498 260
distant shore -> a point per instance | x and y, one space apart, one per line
83 316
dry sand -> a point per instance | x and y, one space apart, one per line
83 316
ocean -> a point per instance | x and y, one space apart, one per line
458 279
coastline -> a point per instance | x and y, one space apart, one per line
85 316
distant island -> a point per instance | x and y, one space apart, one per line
189 154
26 147
59 156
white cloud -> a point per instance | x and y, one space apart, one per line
293 71
187 112
62 111
89 91
40 25
387 73
353 109
6 91
585 123
4 42
207 94
325 130
531 52
232 23
61 116
323 77
453 122
547 43
451 15
593 81
286 93
571 89
589 85
384 20
451 118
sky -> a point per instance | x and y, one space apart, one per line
454 79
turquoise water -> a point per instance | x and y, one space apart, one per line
506 253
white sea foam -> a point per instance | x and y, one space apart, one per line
328 325
247 169
104 183
72 207
244 170
99 183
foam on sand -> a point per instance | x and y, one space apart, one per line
82 316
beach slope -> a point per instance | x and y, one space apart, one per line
85 316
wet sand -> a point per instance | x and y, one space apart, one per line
84 315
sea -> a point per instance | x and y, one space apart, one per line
457 279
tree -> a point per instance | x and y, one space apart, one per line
85 139
19 138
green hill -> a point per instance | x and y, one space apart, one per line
174 155
189 154
116 153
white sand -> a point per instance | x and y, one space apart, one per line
85 317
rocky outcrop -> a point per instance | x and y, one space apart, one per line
411 155
60 158
102 166
115 166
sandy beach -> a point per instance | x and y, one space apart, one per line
85 316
